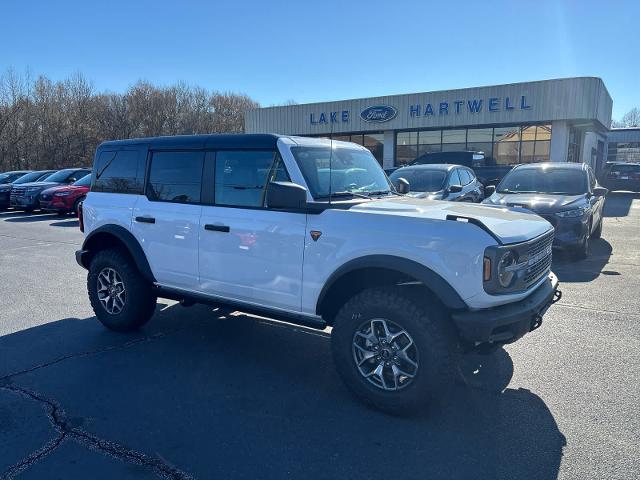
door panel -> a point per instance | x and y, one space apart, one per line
252 255
168 234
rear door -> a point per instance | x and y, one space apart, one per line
166 219
249 252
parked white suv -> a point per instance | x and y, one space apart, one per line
312 232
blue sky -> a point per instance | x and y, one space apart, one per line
314 51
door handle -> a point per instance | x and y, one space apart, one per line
217 228
145 219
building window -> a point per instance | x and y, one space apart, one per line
623 152
500 145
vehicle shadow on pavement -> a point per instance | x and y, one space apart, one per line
618 204
241 397
567 269
24 217
71 222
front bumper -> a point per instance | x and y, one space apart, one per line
569 232
25 202
508 323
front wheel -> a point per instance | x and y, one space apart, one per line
582 250
597 233
394 352
121 298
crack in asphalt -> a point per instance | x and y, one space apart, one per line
65 430
57 418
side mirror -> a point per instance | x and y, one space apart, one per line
402 186
600 192
489 190
454 189
72 180
286 196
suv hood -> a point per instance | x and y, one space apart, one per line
39 184
509 225
536 202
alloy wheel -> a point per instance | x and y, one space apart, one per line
385 354
111 291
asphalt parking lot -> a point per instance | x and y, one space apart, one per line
197 395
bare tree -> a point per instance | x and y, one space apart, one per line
629 119
47 124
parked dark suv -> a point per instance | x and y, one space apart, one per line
622 176
6 188
27 195
567 195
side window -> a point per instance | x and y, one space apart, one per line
241 177
465 178
454 179
175 177
119 172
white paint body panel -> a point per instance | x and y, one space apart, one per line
171 243
258 261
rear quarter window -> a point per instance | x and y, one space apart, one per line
120 171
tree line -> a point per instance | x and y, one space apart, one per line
47 124
629 119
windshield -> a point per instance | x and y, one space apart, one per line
84 181
554 180
5 178
421 180
29 177
352 171
59 177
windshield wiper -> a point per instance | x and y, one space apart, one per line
506 190
344 194
382 192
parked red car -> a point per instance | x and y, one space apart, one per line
65 198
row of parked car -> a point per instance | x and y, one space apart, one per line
567 195
59 191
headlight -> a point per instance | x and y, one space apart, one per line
576 212
61 194
506 272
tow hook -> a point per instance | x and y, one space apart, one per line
556 296
536 322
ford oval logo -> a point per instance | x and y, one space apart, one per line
378 113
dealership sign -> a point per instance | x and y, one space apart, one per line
385 113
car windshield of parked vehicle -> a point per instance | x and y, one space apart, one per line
27 178
561 181
421 179
345 172
83 182
58 177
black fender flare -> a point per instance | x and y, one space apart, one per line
438 285
93 241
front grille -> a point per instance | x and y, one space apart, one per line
17 192
539 254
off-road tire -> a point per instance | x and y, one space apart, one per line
427 323
140 302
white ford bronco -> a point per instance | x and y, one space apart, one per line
312 232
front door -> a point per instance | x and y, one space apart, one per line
247 251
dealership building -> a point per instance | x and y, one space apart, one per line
563 120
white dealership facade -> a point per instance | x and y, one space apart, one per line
550 120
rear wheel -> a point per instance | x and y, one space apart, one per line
121 298
76 206
392 351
